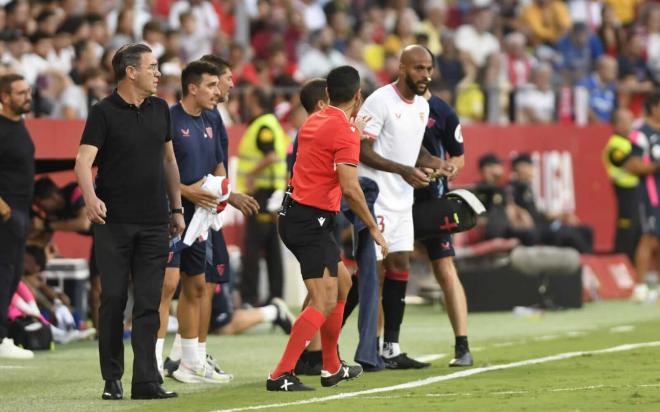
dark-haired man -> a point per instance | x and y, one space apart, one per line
129 136
16 182
644 161
328 154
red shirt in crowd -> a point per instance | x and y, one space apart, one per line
325 140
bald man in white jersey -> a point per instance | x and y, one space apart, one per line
392 155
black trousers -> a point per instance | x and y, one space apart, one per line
261 237
13 234
628 227
138 252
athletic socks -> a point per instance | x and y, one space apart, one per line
394 304
160 342
461 344
269 313
352 299
330 336
201 352
391 349
175 352
304 329
189 348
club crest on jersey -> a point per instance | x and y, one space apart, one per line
209 132
185 132
397 115
430 123
220 268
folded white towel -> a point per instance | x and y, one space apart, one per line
205 219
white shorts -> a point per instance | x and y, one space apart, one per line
397 229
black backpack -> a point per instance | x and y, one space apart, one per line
30 333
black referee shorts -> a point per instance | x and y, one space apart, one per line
308 233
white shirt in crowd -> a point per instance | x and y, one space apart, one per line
478 46
397 125
543 103
315 63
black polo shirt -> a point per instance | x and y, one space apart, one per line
16 163
131 142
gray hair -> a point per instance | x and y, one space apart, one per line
127 55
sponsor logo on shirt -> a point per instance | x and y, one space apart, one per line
421 116
397 115
185 132
209 132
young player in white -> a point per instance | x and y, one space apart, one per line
390 155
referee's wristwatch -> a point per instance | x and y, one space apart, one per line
176 210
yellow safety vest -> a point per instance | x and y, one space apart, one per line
249 155
617 148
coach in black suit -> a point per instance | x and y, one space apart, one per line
128 134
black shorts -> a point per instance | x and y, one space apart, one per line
439 247
223 306
650 218
308 233
191 260
217 258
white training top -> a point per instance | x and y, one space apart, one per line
397 125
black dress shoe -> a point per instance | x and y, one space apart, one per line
113 391
150 390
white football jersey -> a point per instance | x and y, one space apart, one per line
397 125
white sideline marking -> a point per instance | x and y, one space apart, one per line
11 367
546 337
575 333
504 344
431 357
622 329
657 385
509 393
441 378
583 388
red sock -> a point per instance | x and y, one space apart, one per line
330 336
304 329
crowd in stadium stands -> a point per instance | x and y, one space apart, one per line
523 61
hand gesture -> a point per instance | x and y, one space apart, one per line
95 211
415 177
177 224
380 240
5 210
244 203
201 197
360 122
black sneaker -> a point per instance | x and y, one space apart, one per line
402 361
170 366
284 317
461 358
346 372
287 382
309 363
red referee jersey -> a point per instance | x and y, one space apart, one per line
326 139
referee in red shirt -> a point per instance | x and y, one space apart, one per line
326 169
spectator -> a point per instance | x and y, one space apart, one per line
153 36
475 39
450 66
312 13
536 102
602 90
342 29
206 18
516 63
242 70
16 48
579 49
320 57
75 101
634 77
545 20
47 22
653 41
586 11
625 10
124 28
435 12
355 58
37 62
98 33
562 230
85 58
403 34
503 218
193 43
140 17
64 53
610 32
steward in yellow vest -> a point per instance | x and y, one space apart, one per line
262 171
615 155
